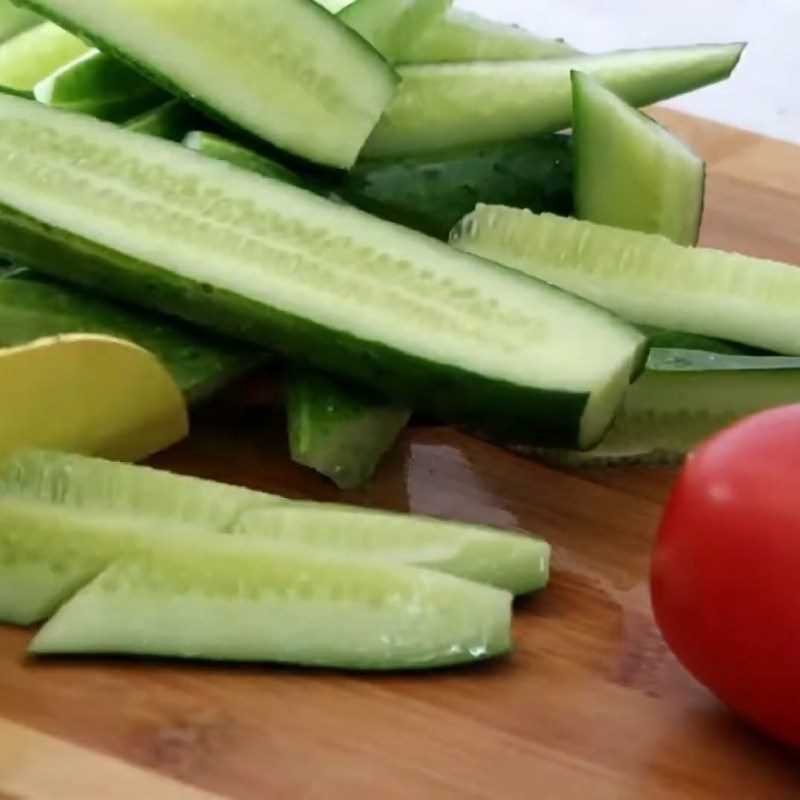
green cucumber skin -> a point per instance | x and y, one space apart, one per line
449 392
32 308
432 193
171 121
630 172
337 430
676 340
116 92
444 106
684 397
173 88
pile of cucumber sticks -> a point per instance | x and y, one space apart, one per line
380 197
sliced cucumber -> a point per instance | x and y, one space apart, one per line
282 71
391 26
432 193
645 278
464 36
15 20
334 6
441 106
337 430
683 398
173 121
32 307
259 259
676 340
33 55
226 602
164 502
213 146
516 563
629 171
101 85
93 486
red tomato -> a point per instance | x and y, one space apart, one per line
726 570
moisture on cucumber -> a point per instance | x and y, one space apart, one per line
441 106
629 171
227 602
337 430
32 307
287 72
15 20
100 85
162 502
683 398
258 259
464 36
391 26
33 55
432 193
645 278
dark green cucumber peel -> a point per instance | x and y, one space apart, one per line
454 389
159 502
32 307
233 603
338 430
684 397
373 68
171 121
100 85
432 193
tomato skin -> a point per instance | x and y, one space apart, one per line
726 570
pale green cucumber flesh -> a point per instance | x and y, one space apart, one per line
15 20
260 260
441 106
32 307
629 171
105 487
33 55
645 278
100 85
391 26
281 71
683 398
172 121
464 36
337 430
77 485
213 146
513 562
225 603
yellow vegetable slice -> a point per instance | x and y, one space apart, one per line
88 394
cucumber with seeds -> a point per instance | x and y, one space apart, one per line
15 20
230 602
283 71
464 36
258 259
645 278
391 26
172 121
101 85
337 430
683 398
443 106
33 55
32 307
162 502
629 171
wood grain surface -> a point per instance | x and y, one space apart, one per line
590 706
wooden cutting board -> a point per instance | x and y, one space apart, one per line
591 705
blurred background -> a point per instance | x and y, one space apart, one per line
764 94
